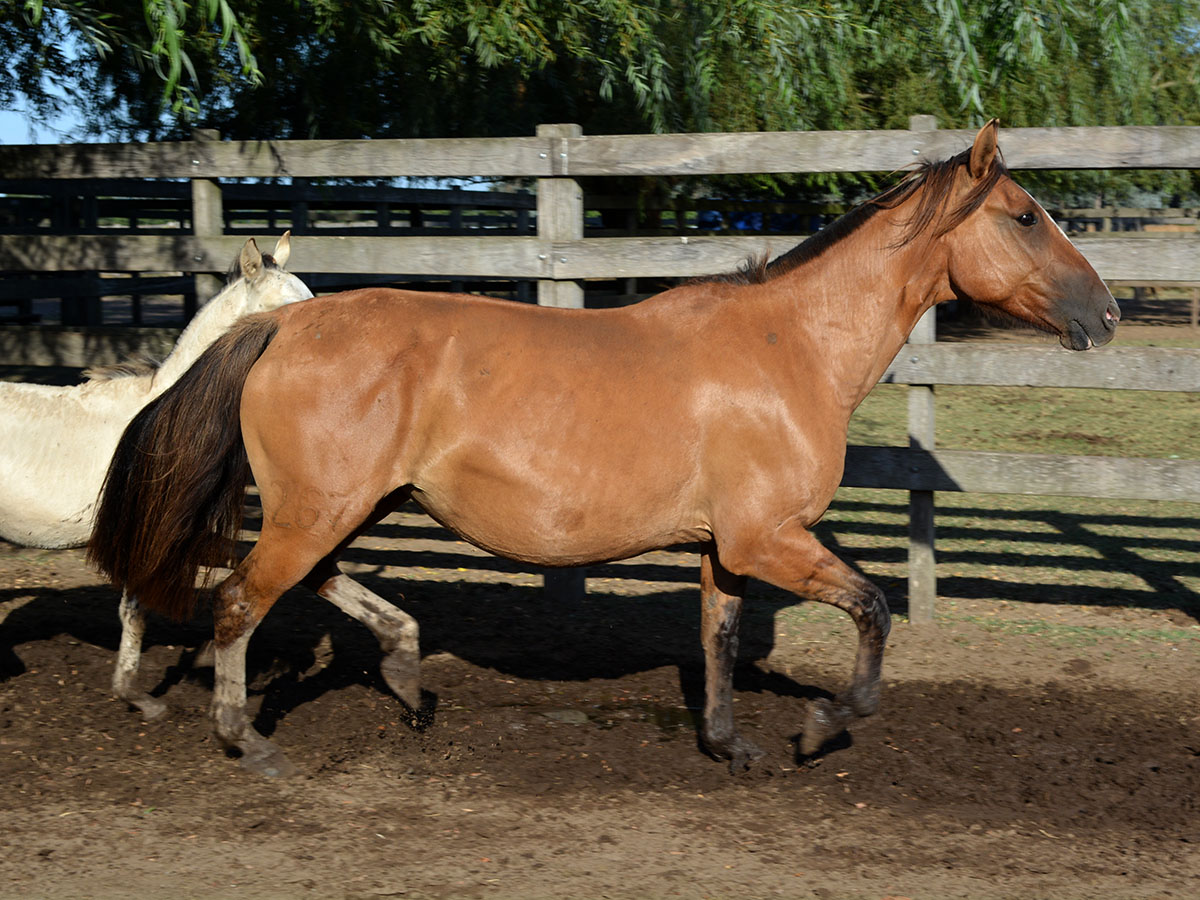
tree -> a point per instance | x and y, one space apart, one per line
384 68
63 44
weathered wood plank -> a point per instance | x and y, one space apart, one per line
487 257
1146 259
1022 473
499 257
1128 368
55 345
880 151
560 217
427 157
1143 257
1134 257
922 434
621 257
1151 147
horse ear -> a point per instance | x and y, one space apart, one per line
983 151
251 261
283 249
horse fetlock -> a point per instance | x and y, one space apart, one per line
151 708
255 752
124 687
862 699
231 726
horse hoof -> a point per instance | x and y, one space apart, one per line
819 726
151 707
272 763
402 675
739 751
742 757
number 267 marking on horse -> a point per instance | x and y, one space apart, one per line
306 508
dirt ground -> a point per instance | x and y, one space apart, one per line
563 761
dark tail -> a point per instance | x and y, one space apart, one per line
173 496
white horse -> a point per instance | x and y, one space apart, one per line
56 442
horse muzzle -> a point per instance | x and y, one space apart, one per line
1086 331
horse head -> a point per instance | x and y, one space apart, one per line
1007 253
267 284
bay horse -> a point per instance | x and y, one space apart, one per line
713 413
56 443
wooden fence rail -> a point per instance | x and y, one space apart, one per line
548 156
560 258
1134 257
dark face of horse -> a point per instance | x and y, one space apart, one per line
1010 255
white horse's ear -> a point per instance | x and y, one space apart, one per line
251 260
283 249
983 151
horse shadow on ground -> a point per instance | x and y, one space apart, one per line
514 631
306 648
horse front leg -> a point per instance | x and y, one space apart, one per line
720 613
129 658
791 558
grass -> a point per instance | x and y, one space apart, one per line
1041 420
1080 635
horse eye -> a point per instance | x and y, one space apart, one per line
1027 219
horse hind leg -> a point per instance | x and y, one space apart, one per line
242 601
397 632
129 655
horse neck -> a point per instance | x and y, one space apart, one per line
860 299
210 322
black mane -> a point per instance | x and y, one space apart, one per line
937 179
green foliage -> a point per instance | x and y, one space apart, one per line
386 68
155 36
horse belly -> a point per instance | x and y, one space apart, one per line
557 511
53 468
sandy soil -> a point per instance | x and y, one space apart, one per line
563 759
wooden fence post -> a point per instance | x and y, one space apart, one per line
922 574
559 213
208 220
560 218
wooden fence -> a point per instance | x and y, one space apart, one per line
559 258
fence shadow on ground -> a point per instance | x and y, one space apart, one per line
639 615
1040 556
1044 556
